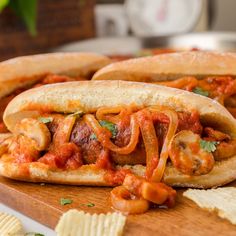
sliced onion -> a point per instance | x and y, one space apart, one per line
153 192
157 193
122 200
187 83
103 135
64 130
34 130
150 140
102 111
173 117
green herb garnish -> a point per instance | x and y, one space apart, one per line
200 91
33 234
144 53
110 126
65 201
88 204
93 136
3 4
209 146
45 120
27 11
78 114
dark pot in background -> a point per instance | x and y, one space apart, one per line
58 22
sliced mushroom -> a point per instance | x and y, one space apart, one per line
187 156
216 134
35 130
225 150
23 149
63 131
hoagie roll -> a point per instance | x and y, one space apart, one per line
209 74
97 132
22 73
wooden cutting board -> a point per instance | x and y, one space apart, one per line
42 203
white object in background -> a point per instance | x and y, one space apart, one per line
28 224
111 20
108 45
162 17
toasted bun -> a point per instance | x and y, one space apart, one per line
222 173
39 172
22 71
88 96
170 66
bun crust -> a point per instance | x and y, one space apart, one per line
222 173
22 71
170 66
88 96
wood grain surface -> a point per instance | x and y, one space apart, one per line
42 203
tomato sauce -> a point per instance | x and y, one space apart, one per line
103 160
218 86
83 147
190 121
3 128
47 79
116 177
152 166
67 156
195 147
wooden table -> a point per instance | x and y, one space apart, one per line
42 203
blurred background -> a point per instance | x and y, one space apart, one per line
115 26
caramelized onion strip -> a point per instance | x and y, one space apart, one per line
103 111
63 132
173 117
103 135
187 83
122 200
108 113
221 99
150 140
232 110
153 192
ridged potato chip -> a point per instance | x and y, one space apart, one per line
10 225
79 223
220 200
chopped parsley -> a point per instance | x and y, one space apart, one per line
78 114
33 234
110 126
144 53
65 201
45 120
88 204
209 146
200 91
93 136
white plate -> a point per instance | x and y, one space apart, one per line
131 45
28 224
110 45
